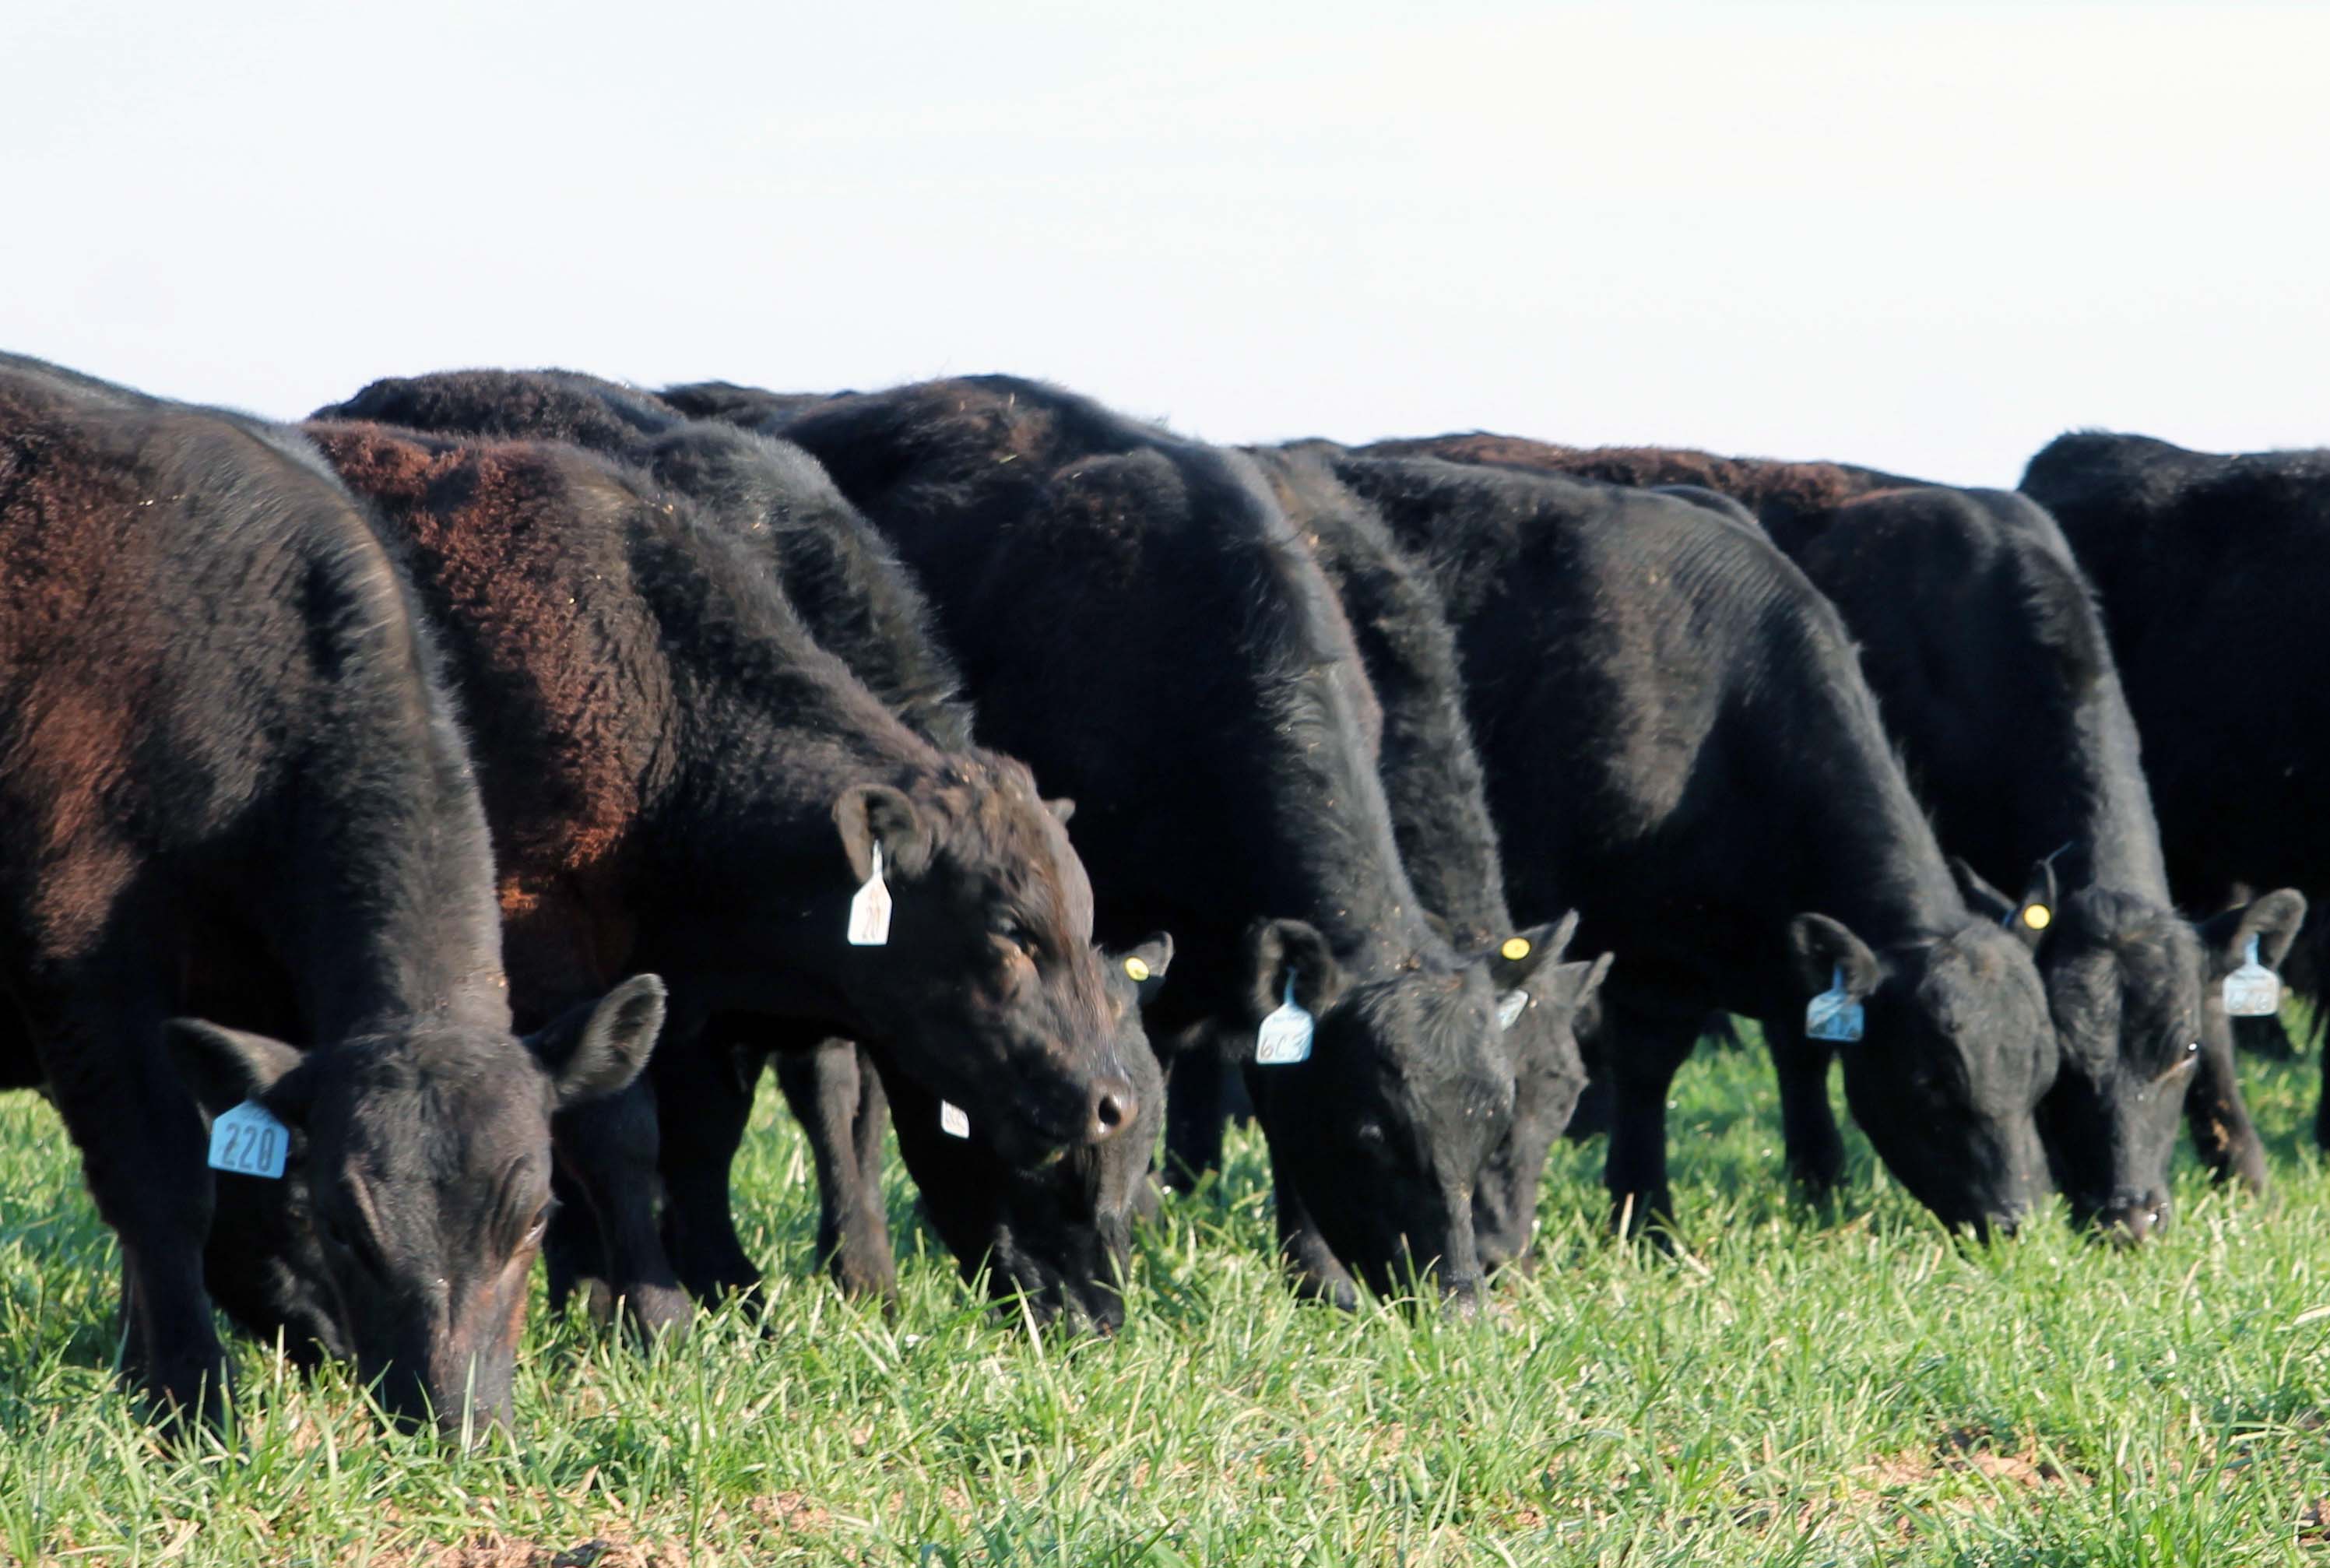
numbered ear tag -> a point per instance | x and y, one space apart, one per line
2252 991
1509 1007
869 911
1832 1015
249 1141
1284 1037
953 1120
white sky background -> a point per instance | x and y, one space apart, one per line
1922 238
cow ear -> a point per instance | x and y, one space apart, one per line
1575 984
871 814
224 1067
1145 964
2273 918
1827 954
596 1049
1293 949
1062 809
1981 897
1516 958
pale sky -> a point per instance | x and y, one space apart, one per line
1924 238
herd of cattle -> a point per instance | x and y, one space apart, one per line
694 732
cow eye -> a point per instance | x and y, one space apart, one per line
1018 936
534 1232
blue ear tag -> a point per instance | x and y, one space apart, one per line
1832 1015
1284 1037
2252 991
249 1141
1510 1008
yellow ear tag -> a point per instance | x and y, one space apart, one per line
1136 967
2038 917
1515 948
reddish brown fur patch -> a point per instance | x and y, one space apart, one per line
491 556
82 652
1803 486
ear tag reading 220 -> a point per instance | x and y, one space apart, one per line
869 911
1832 1015
2252 991
953 1120
1284 1037
249 1141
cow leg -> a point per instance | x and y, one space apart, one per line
144 1155
1315 1273
608 1151
1644 1046
704 1100
837 1100
1194 1108
1815 1150
2222 1134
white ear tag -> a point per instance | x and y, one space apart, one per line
1832 1015
1284 1037
249 1141
953 1120
2252 991
869 911
1509 1007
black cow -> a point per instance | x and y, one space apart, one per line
860 604
1674 727
2205 565
1999 635
231 784
679 777
1432 784
1132 614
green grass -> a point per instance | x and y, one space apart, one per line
1796 1388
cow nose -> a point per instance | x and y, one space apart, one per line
1113 1107
2130 1217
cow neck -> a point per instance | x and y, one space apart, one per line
1321 848
747 826
387 868
2115 824
1877 866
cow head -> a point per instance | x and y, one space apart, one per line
987 989
1956 1052
1538 1014
1384 1129
1057 1239
2135 993
415 1193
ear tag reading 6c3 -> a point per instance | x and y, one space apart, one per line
2252 991
953 1120
249 1142
869 910
1284 1037
1832 1015
1509 1007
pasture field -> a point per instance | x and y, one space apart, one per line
1798 1387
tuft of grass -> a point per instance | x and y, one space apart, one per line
1791 1386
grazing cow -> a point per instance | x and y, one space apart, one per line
2001 636
1440 818
231 784
2206 566
680 777
1132 614
1673 726
860 606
